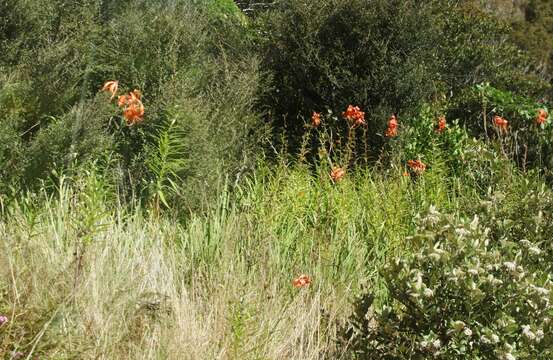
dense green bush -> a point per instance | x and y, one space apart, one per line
419 137
193 62
533 32
385 56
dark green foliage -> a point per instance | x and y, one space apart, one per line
385 56
534 33
193 62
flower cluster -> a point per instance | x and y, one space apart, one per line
131 103
459 266
3 320
500 123
442 124
337 174
301 281
354 116
541 117
417 166
133 109
315 119
391 131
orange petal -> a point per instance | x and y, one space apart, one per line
122 100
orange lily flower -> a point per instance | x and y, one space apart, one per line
122 100
111 87
501 123
337 174
542 116
316 119
442 124
417 166
134 112
301 281
354 115
133 109
391 131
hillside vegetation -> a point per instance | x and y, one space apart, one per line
340 179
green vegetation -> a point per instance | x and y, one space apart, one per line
193 63
532 22
385 56
198 208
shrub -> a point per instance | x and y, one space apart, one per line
461 295
193 62
385 56
526 141
532 32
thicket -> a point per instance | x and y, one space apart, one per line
532 31
385 57
471 289
192 61
208 73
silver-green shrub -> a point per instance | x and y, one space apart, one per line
462 294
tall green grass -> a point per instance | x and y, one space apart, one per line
83 277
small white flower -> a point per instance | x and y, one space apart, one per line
539 335
474 223
436 344
467 332
508 356
461 232
528 333
433 216
534 250
511 266
435 256
432 210
418 282
458 273
486 232
525 243
484 340
494 338
428 293
473 271
540 291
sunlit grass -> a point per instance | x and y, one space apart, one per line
81 278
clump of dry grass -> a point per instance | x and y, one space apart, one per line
140 287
